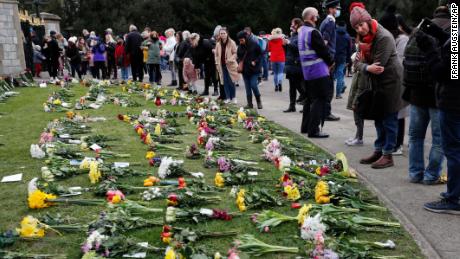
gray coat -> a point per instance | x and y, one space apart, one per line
388 83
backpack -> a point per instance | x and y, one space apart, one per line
416 69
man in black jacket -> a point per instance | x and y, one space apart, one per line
314 53
53 53
181 52
202 56
133 49
448 91
420 93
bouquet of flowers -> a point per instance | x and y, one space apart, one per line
171 168
192 152
190 199
230 179
174 214
259 198
39 200
186 235
215 143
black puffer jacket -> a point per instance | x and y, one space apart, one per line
248 53
182 51
292 65
202 53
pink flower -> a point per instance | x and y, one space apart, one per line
266 229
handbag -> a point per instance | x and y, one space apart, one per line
241 64
370 103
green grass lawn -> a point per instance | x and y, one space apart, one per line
21 123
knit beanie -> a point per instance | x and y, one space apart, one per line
241 35
355 4
359 15
388 19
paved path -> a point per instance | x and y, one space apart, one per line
437 235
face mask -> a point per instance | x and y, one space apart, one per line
337 13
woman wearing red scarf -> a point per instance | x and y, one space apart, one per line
379 63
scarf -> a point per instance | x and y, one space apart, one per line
366 41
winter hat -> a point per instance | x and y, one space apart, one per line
241 35
388 20
52 33
331 3
72 39
356 4
359 15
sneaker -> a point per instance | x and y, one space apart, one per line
355 142
443 206
398 151
433 182
349 140
226 101
235 101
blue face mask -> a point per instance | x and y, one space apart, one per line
337 13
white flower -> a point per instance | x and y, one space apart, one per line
197 175
151 194
234 191
285 162
388 244
311 226
46 174
163 170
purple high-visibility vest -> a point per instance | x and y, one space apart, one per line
313 67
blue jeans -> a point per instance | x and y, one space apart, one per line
339 75
125 72
264 61
419 120
387 130
450 135
229 86
250 83
278 72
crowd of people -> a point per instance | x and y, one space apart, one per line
397 72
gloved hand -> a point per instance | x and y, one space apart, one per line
424 42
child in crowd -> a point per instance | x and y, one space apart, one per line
190 75
38 59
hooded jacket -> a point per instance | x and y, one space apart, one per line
248 53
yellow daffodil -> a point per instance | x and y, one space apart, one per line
292 192
150 155
148 139
38 199
157 130
318 170
31 228
241 116
126 118
70 115
219 180
322 193
176 94
232 121
94 172
170 254
210 118
303 213
84 164
57 102
240 200
116 199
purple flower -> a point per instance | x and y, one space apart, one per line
224 164
209 145
85 248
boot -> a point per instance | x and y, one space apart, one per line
173 83
249 105
204 93
384 162
371 159
290 109
259 102
280 88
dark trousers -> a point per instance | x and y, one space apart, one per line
401 131
359 122
137 67
210 76
154 73
84 67
75 68
450 135
111 67
180 67
53 68
313 109
296 84
330 96
99 66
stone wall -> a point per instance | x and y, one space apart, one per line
12 59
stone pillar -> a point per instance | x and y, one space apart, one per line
12 59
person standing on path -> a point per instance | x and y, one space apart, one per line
327 29
99 58
226 63
316 62
249 57
181 51
121 58
53 52
421 94
342 57
73 55
380 62
277 56
133 49
169 50
110 46
293 67
153 59
439 62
